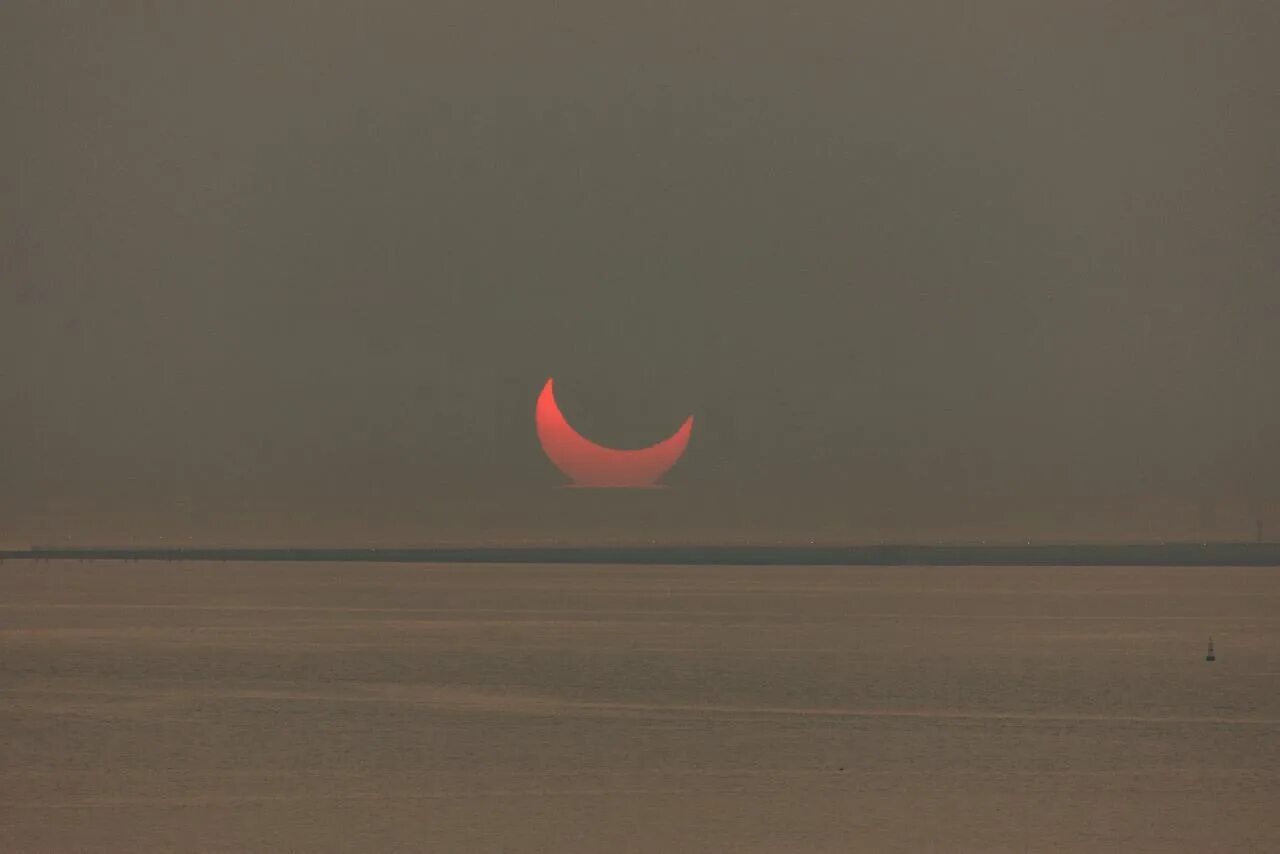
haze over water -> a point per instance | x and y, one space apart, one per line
203 707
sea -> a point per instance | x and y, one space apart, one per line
218 707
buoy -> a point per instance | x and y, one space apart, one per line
1210 656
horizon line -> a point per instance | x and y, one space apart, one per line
1180 553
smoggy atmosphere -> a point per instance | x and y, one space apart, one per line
278 274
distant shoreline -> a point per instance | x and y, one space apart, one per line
1138 554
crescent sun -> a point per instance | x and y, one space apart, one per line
592 465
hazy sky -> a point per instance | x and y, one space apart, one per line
298 271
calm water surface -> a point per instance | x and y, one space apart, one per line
232 707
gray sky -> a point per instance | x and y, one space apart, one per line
297 273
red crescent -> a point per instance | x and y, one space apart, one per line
589 464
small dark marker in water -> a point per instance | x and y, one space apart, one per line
1210 656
